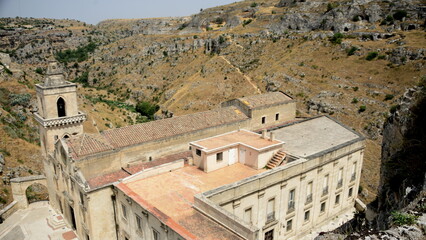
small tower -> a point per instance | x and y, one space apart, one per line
58 113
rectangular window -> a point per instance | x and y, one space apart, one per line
263 120
353 172
81 198
269 235
198 152
219 157
248 215
277 116
325 185
138 223
322 209
270 216
124 211
291 200
289 225
350 192
340 178
309 193
155 234
307 215
337 201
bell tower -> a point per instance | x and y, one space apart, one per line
58 113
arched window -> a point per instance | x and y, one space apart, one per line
61 107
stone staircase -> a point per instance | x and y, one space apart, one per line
56 221
276 160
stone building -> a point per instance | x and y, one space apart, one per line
247 170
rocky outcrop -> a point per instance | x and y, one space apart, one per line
403 154
347 16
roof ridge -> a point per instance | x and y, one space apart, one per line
81 143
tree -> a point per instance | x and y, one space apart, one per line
147 109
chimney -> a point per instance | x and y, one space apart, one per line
264 133
272 137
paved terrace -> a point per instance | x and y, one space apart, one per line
172 193
315 136
238 137
37 222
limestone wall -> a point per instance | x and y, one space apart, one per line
47 98
275 186
286 112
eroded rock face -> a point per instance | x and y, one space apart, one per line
403 154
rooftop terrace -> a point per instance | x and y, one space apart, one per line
172 193
237 137
314 136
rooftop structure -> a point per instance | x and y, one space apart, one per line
172 193
244 137
308 138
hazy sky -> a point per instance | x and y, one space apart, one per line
93 11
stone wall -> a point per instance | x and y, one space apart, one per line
255 192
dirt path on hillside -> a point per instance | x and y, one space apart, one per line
248 79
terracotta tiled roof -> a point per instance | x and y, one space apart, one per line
106 179
265 99
156 162
135 134
87 144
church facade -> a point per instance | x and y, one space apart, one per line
246 170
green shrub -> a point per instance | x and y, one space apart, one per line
371 56
362 108
219 20
400 14
351 51
253 5
83 79
354 100
20 99
388 97
78 55
403 218
355 88
337 38
332 6
387 21
394 108
147 109
246 22
183 26
39 70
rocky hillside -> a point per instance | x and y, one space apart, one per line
349 59
401 204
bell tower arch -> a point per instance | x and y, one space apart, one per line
58 113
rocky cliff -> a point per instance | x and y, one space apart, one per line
403 169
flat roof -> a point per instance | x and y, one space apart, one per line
237 137
172 193
309 137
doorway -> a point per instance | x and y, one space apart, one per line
242 156
232 156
